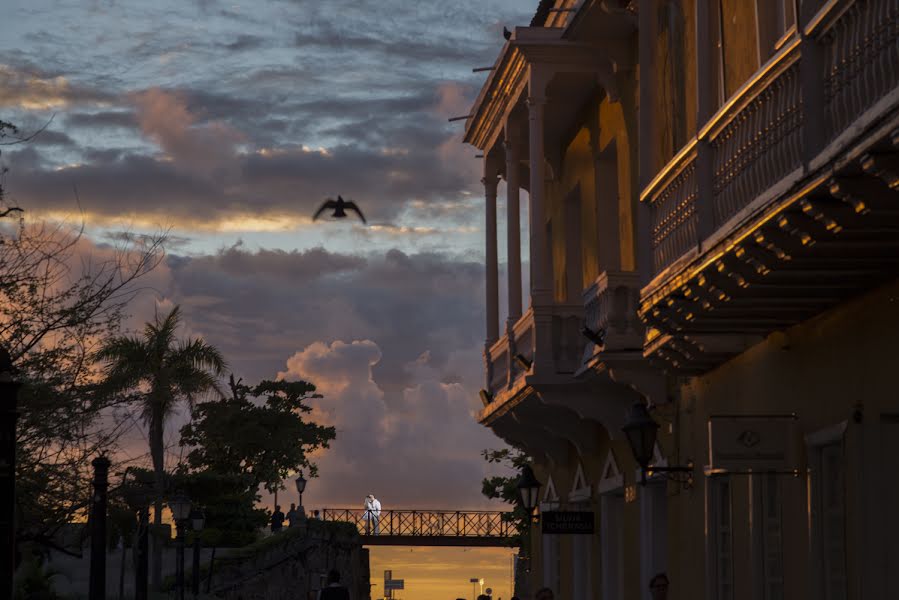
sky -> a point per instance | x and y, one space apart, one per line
225 124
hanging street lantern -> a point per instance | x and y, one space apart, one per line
528 488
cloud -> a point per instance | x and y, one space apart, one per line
422 454
393 342
163 117
33 90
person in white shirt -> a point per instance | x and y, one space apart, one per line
372 514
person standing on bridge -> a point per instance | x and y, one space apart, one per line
372 514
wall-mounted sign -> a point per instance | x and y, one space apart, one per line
752 443
567 522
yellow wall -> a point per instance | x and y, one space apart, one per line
822 370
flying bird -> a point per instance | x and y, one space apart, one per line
340 207
506 33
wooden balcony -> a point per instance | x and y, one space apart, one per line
787 202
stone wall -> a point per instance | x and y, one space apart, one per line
294 564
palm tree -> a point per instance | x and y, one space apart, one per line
164 371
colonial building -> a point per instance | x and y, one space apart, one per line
713 224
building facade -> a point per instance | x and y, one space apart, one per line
713 232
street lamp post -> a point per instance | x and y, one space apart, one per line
301 487
9 390
180 507
474 592
197 521
97 581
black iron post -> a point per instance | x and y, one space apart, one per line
179 558
142 554
97 589
195 574
9 414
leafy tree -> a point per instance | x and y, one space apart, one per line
505 488
60 297
267 440
164 371
228 502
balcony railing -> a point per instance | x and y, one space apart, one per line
673 210
861 61
762 141
758 142
548 338
611 305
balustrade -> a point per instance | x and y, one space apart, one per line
861 61
759 142
755 141
611 305
559 335
673 214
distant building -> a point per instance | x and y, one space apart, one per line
713 229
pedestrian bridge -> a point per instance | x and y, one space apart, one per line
429 527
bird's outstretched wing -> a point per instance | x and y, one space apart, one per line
352 206
328 203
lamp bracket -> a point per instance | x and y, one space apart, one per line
680 473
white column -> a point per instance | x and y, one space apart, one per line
541 287
490 184
513 226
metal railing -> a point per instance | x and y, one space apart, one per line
427 523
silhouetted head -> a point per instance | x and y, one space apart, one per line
293 506
333 576
658 587
544 594
277 507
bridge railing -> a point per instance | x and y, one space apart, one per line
427 523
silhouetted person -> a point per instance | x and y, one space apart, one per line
277 519
372 514
544 594
293 516
658 587
334 590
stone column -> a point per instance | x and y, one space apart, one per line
513 226
541 287
490 184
